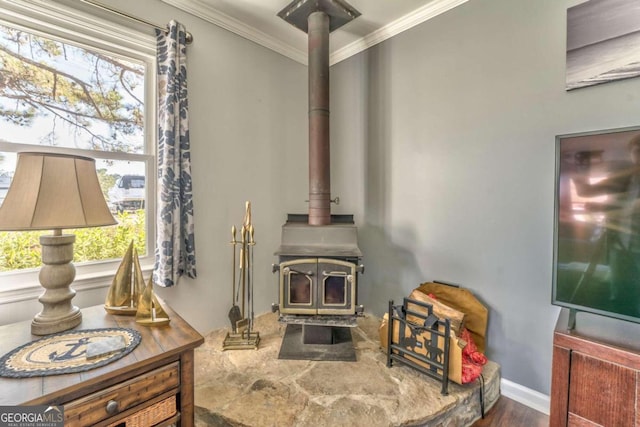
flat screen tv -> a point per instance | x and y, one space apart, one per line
596 266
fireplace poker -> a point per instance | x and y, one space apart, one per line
249 290
243 277
246 278
244 323
252 243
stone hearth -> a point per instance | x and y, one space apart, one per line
255 388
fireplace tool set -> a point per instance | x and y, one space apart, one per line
242 336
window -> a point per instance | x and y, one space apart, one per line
72 83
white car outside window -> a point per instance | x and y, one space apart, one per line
128 193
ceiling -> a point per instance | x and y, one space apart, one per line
257 21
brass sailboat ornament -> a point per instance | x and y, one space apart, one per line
150 311
127 285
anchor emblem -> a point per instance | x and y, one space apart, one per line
71 353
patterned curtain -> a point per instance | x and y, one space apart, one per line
175 241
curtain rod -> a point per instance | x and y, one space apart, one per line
188 38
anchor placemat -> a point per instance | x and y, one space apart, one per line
68 352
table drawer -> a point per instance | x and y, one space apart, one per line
107 403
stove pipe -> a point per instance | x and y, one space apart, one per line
318 18
319 153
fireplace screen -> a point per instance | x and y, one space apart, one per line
317 286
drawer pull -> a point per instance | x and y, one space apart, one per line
112 407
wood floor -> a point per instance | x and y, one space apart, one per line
509 413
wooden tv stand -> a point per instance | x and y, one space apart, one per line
155 380
596 372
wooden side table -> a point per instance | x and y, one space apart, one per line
155 380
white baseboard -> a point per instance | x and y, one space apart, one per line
526 396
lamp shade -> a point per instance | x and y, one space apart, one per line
54 191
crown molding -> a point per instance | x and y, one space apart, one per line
420 15
209 14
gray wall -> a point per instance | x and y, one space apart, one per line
453 125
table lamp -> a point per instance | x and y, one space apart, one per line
54 192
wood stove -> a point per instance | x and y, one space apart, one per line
319 257
318 271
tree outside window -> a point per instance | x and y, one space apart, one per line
68 97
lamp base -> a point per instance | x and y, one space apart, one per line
56 275
50 325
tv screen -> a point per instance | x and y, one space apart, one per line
597 223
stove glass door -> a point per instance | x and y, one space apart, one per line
317 286
297 286
336 290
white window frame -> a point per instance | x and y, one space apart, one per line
62 22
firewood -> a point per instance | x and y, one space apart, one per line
441 310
